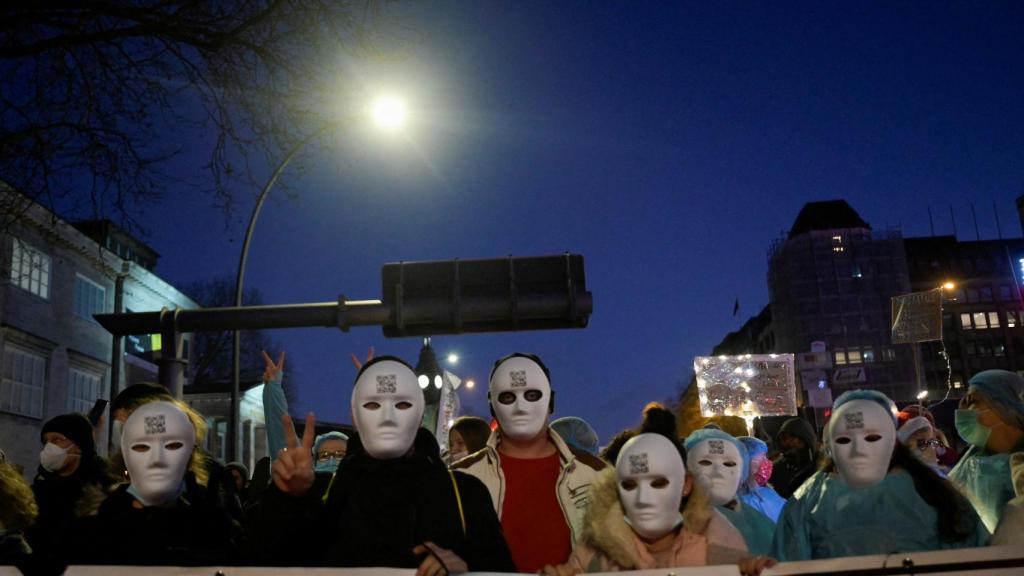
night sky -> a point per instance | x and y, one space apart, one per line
669 144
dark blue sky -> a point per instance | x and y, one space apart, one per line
668 143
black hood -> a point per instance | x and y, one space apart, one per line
800 428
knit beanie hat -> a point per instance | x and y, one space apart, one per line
74 427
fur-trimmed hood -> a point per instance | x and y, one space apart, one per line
605 528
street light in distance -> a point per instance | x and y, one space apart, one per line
948 286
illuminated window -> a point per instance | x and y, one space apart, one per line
958 383
840 356
869 355
993 320
837 243
1011 319
965 321
30 269
999 349
979 320
853 356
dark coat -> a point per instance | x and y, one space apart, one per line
184 534
376 511
791 469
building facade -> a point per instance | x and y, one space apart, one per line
830 282
54 357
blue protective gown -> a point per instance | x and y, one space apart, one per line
986 480
756 528
826 518
765 500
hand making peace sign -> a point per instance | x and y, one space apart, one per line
293 467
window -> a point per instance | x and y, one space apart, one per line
972 295
853 356
985 294
30 269
999 349
958 382
1004 293
869 355
993 319
958 295
1011 319
979 320
83 390
21 389
840 356
888 354
969 348
90 297
965 322
984 348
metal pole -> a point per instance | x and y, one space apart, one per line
115 356
236 337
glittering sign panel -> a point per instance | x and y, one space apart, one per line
746 386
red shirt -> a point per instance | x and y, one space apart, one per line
531 516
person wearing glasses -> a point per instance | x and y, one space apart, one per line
918 435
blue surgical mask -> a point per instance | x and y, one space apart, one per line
329 465
970 429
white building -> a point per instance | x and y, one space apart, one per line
54 357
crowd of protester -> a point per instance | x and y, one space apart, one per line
521 493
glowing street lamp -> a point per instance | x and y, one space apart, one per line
470 384
948 286
388 113
453 359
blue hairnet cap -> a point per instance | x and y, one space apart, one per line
334 435
872 395
755 446
576 433
703 434
1004 391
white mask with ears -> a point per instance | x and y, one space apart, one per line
651 477
861 437
719 464
520 394
387 407
157 443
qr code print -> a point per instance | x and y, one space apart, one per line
156 424
854 420
518 378
387 384
638 463
716 446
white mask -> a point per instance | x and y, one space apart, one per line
719 465
157 445
861 437
651 477
116 431
456 456
520 395
52 457
387 407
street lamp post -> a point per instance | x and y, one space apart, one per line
389 113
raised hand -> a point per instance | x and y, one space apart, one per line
273 371
293 467
358 362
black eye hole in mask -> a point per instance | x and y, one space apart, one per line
532 395
506 398
843 440
873 437
730 463
403 405
372 405
629 484
704 462
175 445
660 482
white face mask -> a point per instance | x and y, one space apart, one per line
520 395
861 436
52 457
116 432
157 445
456 456
720 466
387 407
651 477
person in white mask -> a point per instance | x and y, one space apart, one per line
538 484
720 462
155 520
392 502
871 495
647 513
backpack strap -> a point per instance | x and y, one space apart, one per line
458 500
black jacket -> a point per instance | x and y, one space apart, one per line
185 534
791 469
376 511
